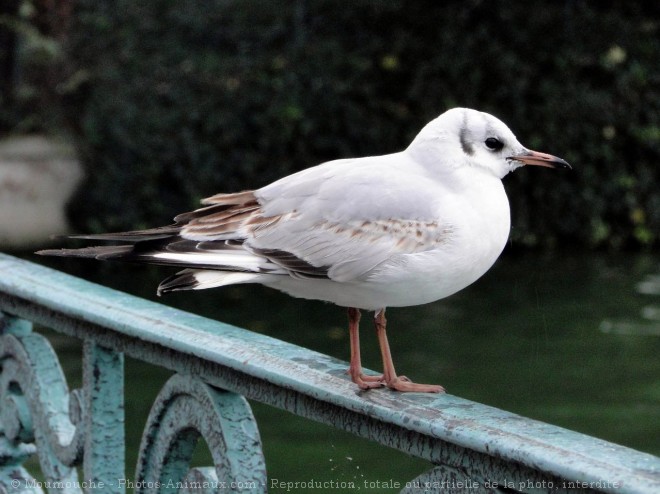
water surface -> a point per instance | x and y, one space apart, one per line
563 338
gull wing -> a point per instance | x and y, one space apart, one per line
338 220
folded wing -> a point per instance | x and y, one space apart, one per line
303 226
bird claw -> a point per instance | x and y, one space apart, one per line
399 384
368 378
368 384
365 381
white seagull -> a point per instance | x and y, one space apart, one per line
364 233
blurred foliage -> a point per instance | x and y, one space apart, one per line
174 101
32 63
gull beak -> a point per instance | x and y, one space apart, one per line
540 159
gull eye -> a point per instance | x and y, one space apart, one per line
494 144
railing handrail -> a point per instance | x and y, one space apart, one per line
439 428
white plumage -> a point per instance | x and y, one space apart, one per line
401 229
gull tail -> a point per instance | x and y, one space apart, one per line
205 269
201 279
183 254
208 244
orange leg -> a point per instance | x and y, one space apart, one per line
390 378
355 368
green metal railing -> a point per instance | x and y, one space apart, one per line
468 445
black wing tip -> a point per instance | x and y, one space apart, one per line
100 253
50 252
183 280
133 236
90 252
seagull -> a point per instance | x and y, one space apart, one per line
395 230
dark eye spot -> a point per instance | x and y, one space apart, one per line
494 144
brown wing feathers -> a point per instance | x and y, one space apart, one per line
211 229
222 215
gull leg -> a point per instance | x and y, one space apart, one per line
393 381
355 368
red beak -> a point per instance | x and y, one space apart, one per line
540 159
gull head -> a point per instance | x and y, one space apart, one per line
462 137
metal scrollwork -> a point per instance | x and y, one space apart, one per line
84 427
39 415
185 410
34 409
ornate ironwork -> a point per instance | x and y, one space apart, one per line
185 410
85 427
217 365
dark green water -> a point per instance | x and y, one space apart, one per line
527 338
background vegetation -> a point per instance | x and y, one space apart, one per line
173 101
